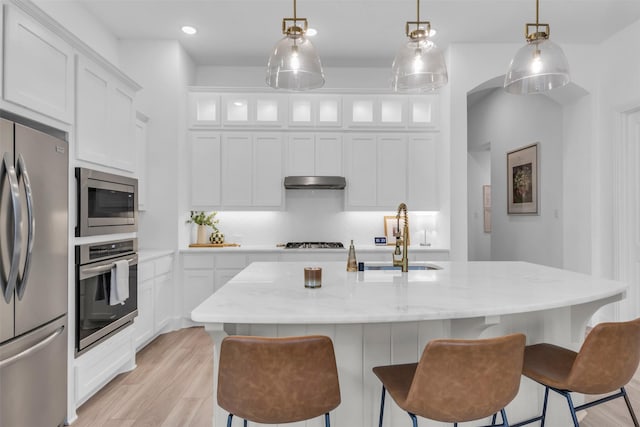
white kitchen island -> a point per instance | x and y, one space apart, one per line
380 317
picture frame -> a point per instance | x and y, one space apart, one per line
522 181
390 224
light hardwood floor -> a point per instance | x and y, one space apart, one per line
172 386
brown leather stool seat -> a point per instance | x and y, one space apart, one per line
457 380
277 380
605 363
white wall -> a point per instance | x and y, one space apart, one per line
511 122
479 174
370 78
164 71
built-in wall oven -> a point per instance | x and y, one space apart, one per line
97 315
107 203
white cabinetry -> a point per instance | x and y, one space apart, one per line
155 299
377 171
37 67
260 109
424 111
315 154
203 109
141 159
227 266
422 169
197 281
106 117
386 170
205 169
375 111
315 111
236 170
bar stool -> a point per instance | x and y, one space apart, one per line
277 380
606 362
457 380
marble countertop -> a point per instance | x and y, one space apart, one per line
273 293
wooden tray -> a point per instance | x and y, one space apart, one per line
213 245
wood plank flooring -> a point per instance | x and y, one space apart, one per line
172 386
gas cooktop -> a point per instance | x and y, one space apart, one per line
314 245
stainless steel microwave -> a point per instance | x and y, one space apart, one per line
107 203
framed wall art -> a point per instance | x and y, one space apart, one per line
522 180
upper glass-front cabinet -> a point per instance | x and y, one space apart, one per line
379 111
253 109
204 109
315 110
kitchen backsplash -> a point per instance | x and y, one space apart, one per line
316 215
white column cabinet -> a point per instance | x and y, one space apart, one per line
106 117
37 67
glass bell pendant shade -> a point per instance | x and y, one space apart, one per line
294 65
539 66
419 65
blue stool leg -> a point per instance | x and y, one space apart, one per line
246 423
572 409
229 420
626 400
505 423
327 421
414 419
544 406
384 390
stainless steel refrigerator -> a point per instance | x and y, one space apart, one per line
33 273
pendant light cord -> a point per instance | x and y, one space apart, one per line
418 11
537 11
295 16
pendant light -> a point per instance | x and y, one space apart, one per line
419 64
294 63
538 66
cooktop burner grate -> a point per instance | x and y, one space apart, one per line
314 245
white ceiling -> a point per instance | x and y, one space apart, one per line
352 32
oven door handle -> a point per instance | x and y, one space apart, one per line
87 272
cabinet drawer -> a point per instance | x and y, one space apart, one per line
197 261
231 261
164 265
145 271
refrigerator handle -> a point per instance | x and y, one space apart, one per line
45 342
21 172
7 168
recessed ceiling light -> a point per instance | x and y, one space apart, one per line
311 32
187 29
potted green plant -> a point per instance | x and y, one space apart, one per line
204 220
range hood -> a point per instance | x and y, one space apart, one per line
314 182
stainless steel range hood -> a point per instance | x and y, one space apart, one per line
314 182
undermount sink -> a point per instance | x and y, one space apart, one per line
411 267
